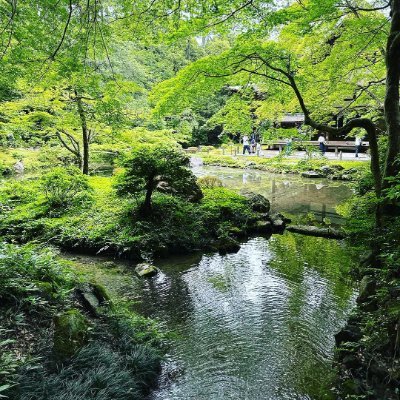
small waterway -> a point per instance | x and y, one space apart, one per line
258 324
288 193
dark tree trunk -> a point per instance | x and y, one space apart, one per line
146 206
392 112
85 135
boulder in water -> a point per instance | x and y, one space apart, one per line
262 227
228 245
279 223
145 270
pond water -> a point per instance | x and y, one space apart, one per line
258 324
289 193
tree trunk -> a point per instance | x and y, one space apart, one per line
146 208
85 134
392 112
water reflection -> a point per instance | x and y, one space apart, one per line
258 324
288 193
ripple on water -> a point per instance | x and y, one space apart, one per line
246 330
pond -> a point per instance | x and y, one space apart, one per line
288 193
258 324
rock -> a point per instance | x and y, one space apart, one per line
279 223
311 174
146 270
258 203
326 170
367 289
331 169
70 333
329 233
110 264
101 293
228 245
19 167
93 297
350 333
262 227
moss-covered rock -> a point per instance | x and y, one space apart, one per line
258 203
228 245
367 289
146 270
70 333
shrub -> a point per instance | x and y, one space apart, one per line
158 168
223 209
209 182
64 187
30 275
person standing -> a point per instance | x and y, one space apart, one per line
288 148
258 149
358 143
246 144
322 143
253 145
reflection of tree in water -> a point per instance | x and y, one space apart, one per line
314 268
319 299
331 259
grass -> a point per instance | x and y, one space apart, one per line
121 360
113 225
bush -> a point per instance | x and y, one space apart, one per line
209 182
223 209
30 275
64 187
158 168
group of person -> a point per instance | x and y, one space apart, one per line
253 146
323 144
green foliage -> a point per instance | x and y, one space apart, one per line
158 168
8 365
209 182
393 192
99 371
29 276
64 187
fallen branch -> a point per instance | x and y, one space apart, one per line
329 233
